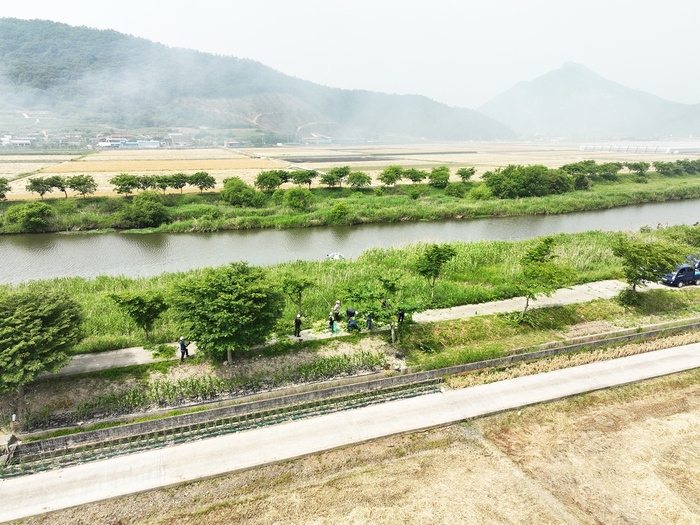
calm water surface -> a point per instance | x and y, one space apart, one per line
26 257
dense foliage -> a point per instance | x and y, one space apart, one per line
514 181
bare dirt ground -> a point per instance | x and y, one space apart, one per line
625 455
247 163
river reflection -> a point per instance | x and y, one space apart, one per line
26 257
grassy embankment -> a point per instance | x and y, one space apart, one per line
207 212
480 272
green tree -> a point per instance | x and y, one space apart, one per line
415 175
439 177
4 188
144 308
58 182
299 199
302 177
228 309
179 181
513 181
358 179
82 184
644 261
124 184
541 274
391 175
163 182
37 328
431 262
609 170
29 216
640 168
146 182
39 185
268 181
237 193
465 174
294 284
202 180
340 173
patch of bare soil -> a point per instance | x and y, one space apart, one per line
589 328
626 455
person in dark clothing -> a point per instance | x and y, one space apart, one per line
331 320
297 326
183 349
368 321
350 313
401 315
352 325
383 303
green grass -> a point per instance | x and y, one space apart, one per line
206 212
481 271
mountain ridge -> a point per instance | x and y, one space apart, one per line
575 102
107 76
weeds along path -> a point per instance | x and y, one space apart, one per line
53 490
576 294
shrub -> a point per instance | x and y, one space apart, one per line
29 216
340 210
414 193
278 197
481 192
379 191
358 179
237 193
456 189
514 181
268 181
299 199
147 210
259 200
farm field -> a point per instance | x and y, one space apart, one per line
624 455
247 163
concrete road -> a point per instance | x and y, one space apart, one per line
47 491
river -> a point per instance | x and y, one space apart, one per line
39 256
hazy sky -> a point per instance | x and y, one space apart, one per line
458 52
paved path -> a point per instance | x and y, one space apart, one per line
576 294
47 491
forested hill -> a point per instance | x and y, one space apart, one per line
108 77
575 102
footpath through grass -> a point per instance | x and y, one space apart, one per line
480 272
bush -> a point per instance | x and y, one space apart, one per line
456 189
147 210
340 210
514 182
481 192
379 191
237 193
278 197
29 216
299 199
414 193
259 200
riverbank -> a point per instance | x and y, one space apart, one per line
341 206
480 272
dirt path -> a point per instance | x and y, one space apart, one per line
575 294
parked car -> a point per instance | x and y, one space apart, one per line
683 274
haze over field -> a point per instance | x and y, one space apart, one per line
310 67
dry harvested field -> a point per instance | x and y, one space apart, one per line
624 455
246 164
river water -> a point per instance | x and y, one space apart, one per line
39 256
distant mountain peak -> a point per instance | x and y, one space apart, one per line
575 102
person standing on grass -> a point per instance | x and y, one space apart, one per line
183 349
401 315
297 326
331 320
368 321
336 311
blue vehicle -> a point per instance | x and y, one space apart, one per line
683 274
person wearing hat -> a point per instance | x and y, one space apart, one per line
183 349
331 320
297 326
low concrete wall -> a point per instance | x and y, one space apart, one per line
195 418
